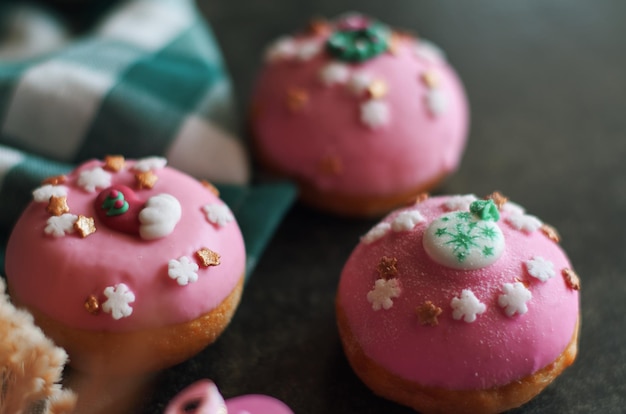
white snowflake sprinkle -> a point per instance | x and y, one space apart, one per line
540 268
307 50
43 193
218 214
459 203
334 73
59 226
437 102
92 179
282 48
514 297
375 113
467 306
429 51
359 82
380 296
512 208
407 220
150 164
524 222
118 301
183 270
376 232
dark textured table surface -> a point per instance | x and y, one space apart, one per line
546 81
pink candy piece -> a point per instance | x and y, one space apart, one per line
203 397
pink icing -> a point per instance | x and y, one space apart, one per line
56 275
206 399
493 350
413 148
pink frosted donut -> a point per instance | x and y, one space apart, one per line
457 305
127 255
203 397
361 116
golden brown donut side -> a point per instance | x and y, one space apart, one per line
138 352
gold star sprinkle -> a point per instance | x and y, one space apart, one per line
550 232
210 187
56 180
85 226
571 279
387 267
331 165
145 179
427 313
430 79
114 162
92 305
377 89
524 282
393 45
319 26
297 98
406 35
421 197
57 205
208 257
498 199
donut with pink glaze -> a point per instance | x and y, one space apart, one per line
361 116
460 305
203 397
131 266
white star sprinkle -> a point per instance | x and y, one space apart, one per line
59 226
460 202
380 296
512 208
514 297
375 113
307 50
467 306
407 220
540 268
359 82
95 178
218 214
183 270
334 73
376 233
437 102
118 299
43 193
524 222
429 51
150 164
282 48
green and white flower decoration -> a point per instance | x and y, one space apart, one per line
466 239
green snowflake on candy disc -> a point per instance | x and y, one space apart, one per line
465 240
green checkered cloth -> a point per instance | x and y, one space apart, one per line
148 79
